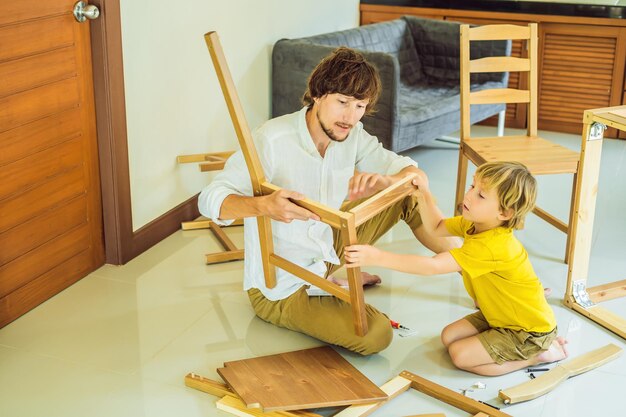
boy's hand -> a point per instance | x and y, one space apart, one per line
361 255
364 184
421 182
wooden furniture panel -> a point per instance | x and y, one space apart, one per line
42 261
41 134
581 67
368 17
25 237
25 73
36 36
30 171
304 379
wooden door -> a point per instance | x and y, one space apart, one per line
581 67
50 208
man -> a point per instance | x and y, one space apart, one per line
323 153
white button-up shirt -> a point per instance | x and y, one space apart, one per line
290 160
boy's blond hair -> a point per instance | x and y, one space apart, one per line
515 186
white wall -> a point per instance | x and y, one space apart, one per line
173 101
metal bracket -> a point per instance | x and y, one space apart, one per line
596 131
580 294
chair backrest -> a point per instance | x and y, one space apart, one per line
499 64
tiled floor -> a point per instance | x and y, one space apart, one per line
119 342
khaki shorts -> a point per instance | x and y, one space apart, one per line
505 345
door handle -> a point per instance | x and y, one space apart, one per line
84 11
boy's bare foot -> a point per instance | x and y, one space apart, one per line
368 280
556 352
547 292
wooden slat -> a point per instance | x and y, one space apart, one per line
33 71
204 224
562 371
42 260
562 226
328 215
607 292
224 240
203 157
35 232
355 281
36 36
28 172
499 32
39 135
28 106
377 203
50 193
207 385
450 397
216 258
15 11
499 64
604 317
310 277
44 286
236 407
499 95
392 388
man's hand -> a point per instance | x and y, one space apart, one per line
364 184
361 255
279 206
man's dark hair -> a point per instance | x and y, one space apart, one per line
345 72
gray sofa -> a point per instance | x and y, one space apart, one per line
418 61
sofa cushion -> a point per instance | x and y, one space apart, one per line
393 37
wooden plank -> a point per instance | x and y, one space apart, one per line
559 224
216 258
499 64
382 200
236 407
499 32
355 281
392 388
317 377
499 95
448 396
602 316
549 380
310 277
203 157
327 214
607 292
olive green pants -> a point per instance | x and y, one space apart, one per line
328 318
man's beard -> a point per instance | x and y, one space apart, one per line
329 132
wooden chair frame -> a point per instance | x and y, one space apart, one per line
233 404
547 157
214 161
346 222
577 296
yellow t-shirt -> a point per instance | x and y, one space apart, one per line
499 276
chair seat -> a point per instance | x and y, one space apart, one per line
539 155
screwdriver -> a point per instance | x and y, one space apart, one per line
397 325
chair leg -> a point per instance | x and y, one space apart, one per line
571 230
355 281
501 120
461 178
267 248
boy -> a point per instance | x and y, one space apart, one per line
515 327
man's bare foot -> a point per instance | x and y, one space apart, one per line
368 280
556 352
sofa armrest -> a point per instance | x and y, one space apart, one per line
438 46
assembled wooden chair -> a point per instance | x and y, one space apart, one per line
539 155
346 222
